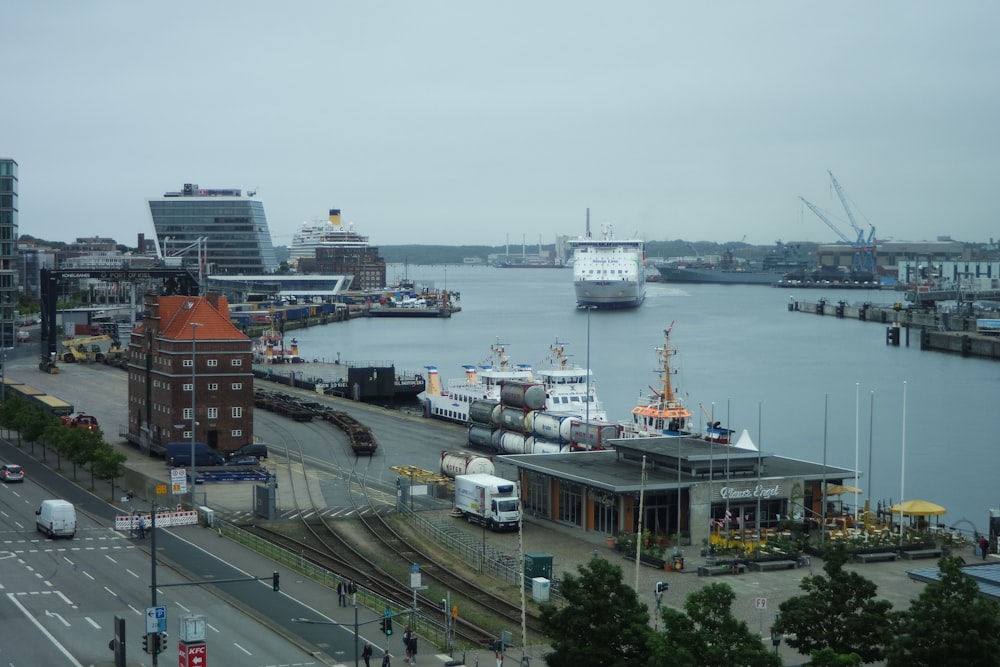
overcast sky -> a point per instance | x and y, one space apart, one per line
468 123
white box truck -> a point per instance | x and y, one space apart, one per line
489 500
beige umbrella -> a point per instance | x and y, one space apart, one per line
840 489
918 508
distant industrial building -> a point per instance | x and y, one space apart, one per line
216 231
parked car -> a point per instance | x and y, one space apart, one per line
258 449
244 461
11 472
23 336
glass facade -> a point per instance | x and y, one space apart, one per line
238 241
8 251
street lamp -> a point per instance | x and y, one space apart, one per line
589 308
194 423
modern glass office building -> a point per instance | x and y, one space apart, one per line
8 250
234 228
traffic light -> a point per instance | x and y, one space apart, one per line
145 643
155 641
661 586
161 642
388 625
274 581
381 625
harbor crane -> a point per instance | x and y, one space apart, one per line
863 260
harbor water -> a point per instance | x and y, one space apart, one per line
915 424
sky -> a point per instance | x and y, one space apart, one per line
474 123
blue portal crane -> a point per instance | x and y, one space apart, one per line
863 260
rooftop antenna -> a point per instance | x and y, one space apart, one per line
588 223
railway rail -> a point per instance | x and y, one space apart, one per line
327 545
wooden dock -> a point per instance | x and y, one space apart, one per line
929 328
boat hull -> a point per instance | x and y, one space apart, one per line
673 274
610 294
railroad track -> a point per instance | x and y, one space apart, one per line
332 547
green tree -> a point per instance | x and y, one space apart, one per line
32 423
603 623
708 635
839 611
950 623
108 464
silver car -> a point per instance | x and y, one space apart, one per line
10 472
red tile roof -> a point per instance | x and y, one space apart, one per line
178 312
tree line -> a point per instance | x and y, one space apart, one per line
838 620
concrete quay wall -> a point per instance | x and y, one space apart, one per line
932 330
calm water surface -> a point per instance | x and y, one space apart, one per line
802 385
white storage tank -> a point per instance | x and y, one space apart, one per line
527 395
455 463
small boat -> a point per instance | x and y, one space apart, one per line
662 414
270 349
569 388
481 382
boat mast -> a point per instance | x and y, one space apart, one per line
667 398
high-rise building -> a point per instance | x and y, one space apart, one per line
236 239
8 250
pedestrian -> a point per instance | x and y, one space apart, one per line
984 546
413 649
341 594
385 659
352 590
407 636
367 653
142 527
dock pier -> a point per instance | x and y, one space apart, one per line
932 329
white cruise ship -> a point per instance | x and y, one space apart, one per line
608 272
330 234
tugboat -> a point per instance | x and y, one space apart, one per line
661 413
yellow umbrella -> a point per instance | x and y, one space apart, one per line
918 508
840 489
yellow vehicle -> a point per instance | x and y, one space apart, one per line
90 348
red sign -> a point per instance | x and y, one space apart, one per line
192 655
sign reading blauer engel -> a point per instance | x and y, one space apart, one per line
758 491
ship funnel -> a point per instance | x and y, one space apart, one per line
471 377
433 381
335 217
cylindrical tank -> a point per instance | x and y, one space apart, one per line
481 436
484 412
549 426
527 395
512 419
514 443
465 463
546 447
593 434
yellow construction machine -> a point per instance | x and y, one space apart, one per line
90 348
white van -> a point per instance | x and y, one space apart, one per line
56 518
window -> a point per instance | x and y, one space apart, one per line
237 433
188 363
213 413
187 413
187 435
213 362
188 386
237 385
236 362
213 386
237 412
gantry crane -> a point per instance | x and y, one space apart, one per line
863 260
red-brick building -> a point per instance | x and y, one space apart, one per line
178 335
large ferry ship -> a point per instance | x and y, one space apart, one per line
608 272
